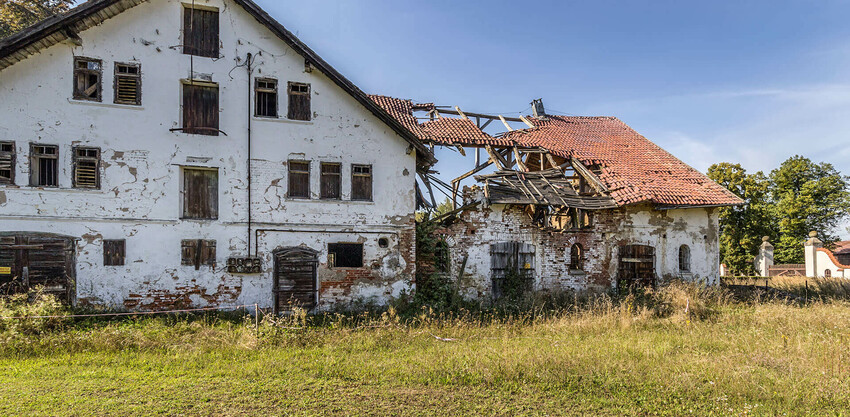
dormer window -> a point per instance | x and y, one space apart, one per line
200 32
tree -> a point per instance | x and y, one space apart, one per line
806 197
742 227
15 15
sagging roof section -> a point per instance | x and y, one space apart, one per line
630 167
67 26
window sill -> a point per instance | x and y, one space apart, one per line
282 120
52 189
323 200
108 105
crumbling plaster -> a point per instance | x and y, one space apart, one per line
665 230
140 196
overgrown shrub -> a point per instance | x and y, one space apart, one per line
36 303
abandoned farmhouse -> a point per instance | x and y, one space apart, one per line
157 154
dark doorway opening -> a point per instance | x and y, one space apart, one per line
637 267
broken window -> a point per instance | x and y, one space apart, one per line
266 96
299 179
198 253
345 255
87 79
113 252
512 266
200 193
86 168
128 84
361 182
577 257
7 162
44 166
299 101
579 219
200 32
684 258
200 109
331 181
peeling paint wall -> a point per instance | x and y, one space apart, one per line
140 196
666 231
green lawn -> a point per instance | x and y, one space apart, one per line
747 359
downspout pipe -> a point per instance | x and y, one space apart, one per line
250 177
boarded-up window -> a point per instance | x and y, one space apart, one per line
114 252
266 95
200 32
128 84
7 162
87 79
637 267
44 166
512 267
345 255
299 179
198 253
299 101
200 193
361 182
331 181
200 109
87 168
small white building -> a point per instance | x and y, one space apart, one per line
161 153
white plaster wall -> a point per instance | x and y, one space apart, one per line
824 263
140 195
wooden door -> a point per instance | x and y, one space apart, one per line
511 258
295 279
637 267
28 260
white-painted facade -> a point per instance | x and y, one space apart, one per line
140 195
821 262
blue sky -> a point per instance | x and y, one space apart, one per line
752 82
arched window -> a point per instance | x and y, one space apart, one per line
577 257
827 273
684 258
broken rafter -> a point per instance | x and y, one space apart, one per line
479 115
519 160
495 157
590 176
505 122
430 190
527 122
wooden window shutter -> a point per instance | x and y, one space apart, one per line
361 182
7 162
200 109
198 252
114 252
200 32
299 179
128 84
86 168
331 181
299 102
200 194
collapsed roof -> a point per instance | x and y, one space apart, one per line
631 168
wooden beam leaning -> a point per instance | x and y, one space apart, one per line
552 161
460 113
469 114
519 160
526 121
495 157
430 190
595 182
505 122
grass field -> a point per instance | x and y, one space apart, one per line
683 351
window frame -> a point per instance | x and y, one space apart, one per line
76 159
213 196
79 95
189 45
293 95
9 157
198 253
290 172
576 257
118 76
118 249
323 175
370 176
333 259
35 162
188 98
258 91
684 259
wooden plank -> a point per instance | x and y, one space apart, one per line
519 160
495 157
591 177
505 122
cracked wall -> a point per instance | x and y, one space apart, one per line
140 196
665 230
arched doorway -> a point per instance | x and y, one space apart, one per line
295 278
30 259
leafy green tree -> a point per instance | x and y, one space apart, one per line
16 15
742 227
806 197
